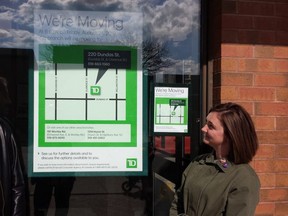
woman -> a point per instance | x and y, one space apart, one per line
222 182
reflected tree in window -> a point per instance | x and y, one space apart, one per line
155 56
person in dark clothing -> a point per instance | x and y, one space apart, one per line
13 199
44 187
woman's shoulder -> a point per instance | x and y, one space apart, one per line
202 157
246 174
245 168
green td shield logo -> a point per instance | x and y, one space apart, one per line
95 90
131 163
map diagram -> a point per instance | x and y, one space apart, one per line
73 92
169 114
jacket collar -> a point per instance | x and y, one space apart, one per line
211 159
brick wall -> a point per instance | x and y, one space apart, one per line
248 48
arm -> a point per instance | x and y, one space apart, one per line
243 199
177 203
18 185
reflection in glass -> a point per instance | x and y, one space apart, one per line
170 43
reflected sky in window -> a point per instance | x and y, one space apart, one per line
175 23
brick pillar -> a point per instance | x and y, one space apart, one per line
248 47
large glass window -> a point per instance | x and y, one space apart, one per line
160 39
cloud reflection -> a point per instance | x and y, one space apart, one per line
172 21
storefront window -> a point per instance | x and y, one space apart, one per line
50 52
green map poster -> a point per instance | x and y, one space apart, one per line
171 109
87 109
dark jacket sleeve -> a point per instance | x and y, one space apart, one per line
18 187
11 173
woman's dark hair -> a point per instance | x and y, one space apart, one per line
239 131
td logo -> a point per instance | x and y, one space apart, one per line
131 163
95 90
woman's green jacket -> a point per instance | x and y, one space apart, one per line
210 189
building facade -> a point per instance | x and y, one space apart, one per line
221 50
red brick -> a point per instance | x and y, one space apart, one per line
276 80
282 66
266 209
267 179
255 8
229 64
229 7
272 109
281 38
281 180
249 36
238 79
281 165
256 94
229 50
245 51
237 22
266 65
264 123
268 195
282 24
263 51
264 166
247 65
235 50
266 37
265 152
265 23
229 36
282 124
281 151
281 209
281 52
273 137
229 93
277 1
282 94
281 9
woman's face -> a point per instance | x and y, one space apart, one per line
213 131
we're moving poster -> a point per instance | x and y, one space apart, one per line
171 110
87 107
